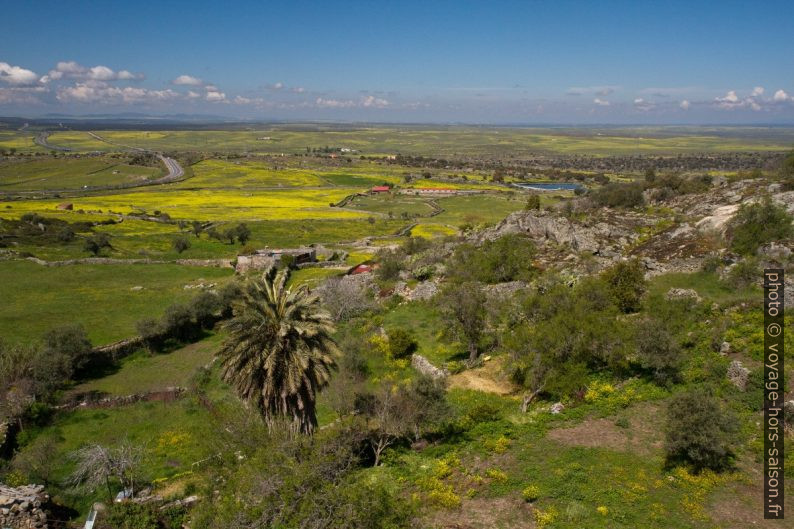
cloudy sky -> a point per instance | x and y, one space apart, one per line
415 61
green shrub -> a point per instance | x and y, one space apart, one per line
627 283
700 432
617 195
744 273
757 224
508 258
401 343
180 243
658 350
391 263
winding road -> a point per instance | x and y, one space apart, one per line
175 171
41 140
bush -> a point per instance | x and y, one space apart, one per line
401 344
71 341
627 283
152 333
391 263
744 273
757 224
573 332
178 323
533 203
97 242
658 350
204 307
508 258
227 295
616 195
243 233
180 244
700 432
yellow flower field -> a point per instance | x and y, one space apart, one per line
212 205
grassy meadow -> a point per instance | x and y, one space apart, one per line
101 297
65 173
441 142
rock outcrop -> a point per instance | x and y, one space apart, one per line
423 365
21 507
542 226
738 375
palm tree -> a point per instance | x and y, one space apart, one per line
279 353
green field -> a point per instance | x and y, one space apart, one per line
446 141
37 298
72 173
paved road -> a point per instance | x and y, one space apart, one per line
175 170
41 139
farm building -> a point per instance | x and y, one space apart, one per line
380 189
66 206
263 259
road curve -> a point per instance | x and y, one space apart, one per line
41 140
175 170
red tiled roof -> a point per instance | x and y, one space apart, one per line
381 188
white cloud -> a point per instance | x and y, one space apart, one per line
21 94
187 80
372 101
68 68
100 92
643 105
781 96
241 100
214 96
731 101
73 70
730 98
333 103
127 75
16 75
297 89
369 101
757 91
192 95
684 105
101 73
601 102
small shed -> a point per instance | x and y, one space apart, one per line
66 206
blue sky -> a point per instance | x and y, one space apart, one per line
419 61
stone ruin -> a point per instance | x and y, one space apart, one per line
21 507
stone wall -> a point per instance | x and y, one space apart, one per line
21 507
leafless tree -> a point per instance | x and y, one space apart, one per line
98 464
344 297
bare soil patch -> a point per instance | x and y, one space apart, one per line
642 436
484 513
738 506
489 378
